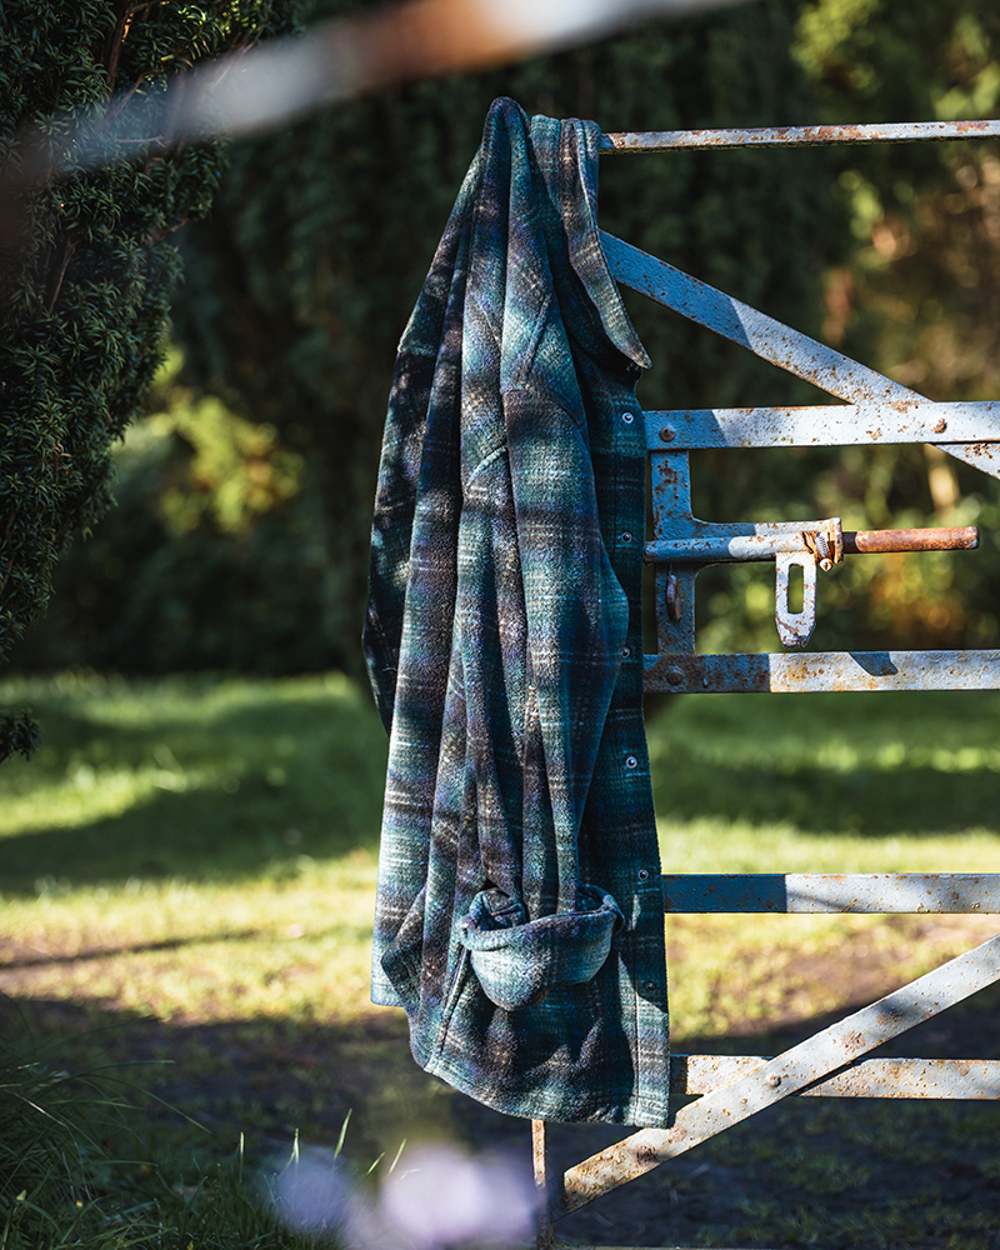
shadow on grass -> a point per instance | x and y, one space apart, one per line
226 796
831 1173
864 802
133 948
922 764
231 830
247 787
265 1077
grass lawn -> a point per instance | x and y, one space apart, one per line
187 870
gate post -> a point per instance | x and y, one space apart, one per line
539 1158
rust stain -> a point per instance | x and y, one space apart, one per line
957 538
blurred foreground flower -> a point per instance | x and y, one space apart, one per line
443 1199
446 1198
314 1195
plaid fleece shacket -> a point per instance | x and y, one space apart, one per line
519 913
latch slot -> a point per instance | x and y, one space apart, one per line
803 544
795 628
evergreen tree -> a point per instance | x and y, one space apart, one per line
87 264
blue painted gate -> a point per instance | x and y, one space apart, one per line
874 409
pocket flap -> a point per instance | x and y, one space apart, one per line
517 964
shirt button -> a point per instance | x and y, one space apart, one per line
631 761
649 986
625 536
626 651
643 874
628 418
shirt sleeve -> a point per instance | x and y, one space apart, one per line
423 377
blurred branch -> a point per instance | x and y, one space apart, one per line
250 90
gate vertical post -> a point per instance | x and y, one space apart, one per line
539 1158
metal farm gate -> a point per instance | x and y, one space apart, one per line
873 410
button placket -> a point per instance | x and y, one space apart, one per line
639 879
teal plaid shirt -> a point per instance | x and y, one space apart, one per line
519 911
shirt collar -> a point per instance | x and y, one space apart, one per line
578 158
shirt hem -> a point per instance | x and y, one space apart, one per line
643 1113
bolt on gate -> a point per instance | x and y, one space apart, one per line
873 410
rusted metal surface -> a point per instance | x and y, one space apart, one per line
968 1080
674 587
795 626
825 425
826 545
684 544
820 1056
823 671
957 538
877 893
877 409
721 543
770 339
795 136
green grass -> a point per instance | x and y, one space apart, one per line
187 869
76 1170
198 850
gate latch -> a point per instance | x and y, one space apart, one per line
823 547
790 544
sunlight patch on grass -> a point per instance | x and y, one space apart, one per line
199 850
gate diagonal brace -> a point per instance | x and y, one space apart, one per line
772 340
819 1056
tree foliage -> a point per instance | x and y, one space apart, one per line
212 558
301 281
308 268
916 296
87 266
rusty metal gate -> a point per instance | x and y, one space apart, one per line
873 410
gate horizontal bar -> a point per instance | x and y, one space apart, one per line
724 543
817 671
795 136
825 1053
972 1080
824 425
770 339
872 893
